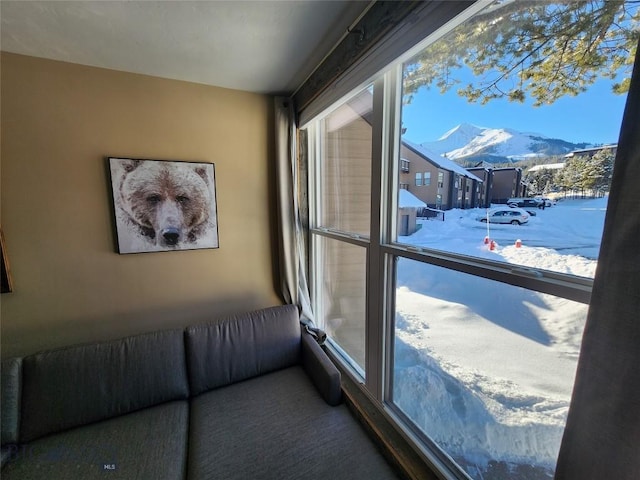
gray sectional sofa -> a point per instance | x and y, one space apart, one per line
251 396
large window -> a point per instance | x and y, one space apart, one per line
467 328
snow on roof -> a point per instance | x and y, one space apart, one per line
439 160
592 149
548 166
406 199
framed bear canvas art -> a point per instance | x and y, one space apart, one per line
162 205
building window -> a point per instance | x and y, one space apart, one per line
404 186
440 179
404 165
418 179
427 178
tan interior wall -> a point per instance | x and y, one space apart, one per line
59 122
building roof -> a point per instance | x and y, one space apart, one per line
406 199
592 149
548 166
439 160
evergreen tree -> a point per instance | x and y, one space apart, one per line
533 48
540 181
568 177
587 174
603 170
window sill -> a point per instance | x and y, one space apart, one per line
397 450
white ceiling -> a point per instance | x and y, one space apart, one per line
257 46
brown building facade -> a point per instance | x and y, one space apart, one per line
437 181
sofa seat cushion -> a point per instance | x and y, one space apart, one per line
278 426
147 444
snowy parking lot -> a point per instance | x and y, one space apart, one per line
484 368
564 238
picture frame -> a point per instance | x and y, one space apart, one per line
163 205
5 277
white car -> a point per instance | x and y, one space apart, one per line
512 215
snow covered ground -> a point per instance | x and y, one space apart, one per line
486 369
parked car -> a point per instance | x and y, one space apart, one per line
526 202
547 201
512 215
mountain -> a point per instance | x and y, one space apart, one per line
470 144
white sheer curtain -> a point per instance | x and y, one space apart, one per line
292 250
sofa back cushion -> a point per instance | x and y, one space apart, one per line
242 346
10 399
75 386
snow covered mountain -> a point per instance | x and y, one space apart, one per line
468 143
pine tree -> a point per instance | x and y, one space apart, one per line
541 49
587 174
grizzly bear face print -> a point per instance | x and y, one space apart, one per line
168 205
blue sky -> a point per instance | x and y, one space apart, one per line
592 117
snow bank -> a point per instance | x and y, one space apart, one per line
486 369
472 424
